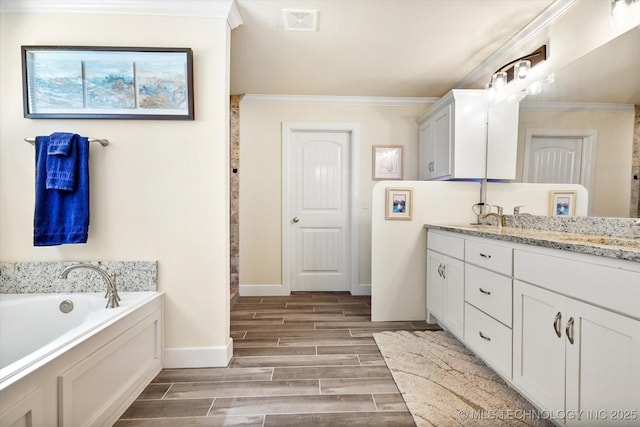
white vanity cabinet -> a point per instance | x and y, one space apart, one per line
577 336
445 279
563 328
452 136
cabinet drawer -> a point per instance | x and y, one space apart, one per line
446 244
490 256
490 339
490 292
589 279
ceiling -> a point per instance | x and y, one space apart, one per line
588 80
394 48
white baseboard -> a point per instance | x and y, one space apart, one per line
264 291
281 290
197 357
361 289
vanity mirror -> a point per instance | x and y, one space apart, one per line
580 128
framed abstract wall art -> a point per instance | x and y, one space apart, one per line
107 82
387 162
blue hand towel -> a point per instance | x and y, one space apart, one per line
61 216
61 161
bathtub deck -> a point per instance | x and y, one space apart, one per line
305 359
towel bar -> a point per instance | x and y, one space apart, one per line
103 142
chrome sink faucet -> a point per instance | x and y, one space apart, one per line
112 292
501 220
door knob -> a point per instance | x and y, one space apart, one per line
296 219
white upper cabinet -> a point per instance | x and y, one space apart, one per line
453 137
502 139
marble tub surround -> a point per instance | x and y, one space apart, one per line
612 238
43 277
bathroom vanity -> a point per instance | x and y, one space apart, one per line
557 315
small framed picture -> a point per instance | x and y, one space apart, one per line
387 162
562 203
399 203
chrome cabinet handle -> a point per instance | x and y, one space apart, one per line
485 255
483 336
444 271
569 330
484 292
296 219
556 324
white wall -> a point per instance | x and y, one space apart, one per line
159 191
399 248
261 173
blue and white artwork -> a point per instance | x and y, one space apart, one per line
56 82
162 84
110 84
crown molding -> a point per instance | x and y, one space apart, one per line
578 106
346 100
539 23
225 9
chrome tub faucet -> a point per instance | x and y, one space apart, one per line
112 292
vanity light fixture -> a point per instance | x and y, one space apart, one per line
518 68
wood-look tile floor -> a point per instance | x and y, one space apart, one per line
306 359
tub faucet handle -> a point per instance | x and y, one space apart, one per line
499 209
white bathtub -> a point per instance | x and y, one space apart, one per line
55 353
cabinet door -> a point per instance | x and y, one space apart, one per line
502 139
603 364
435 284
427 150
453 316
445 291
443 138
539 345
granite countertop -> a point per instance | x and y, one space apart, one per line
626 248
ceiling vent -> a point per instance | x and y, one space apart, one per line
300 20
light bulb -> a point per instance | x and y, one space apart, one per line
499 80
491 92
521 69
618 8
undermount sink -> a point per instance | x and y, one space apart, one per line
603 240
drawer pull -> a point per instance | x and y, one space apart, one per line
556 324
569 330
484 292
485 255
483 336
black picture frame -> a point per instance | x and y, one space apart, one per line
90 82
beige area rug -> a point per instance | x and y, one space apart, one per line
445 384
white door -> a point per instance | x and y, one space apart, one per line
319 191
561 156
554 160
